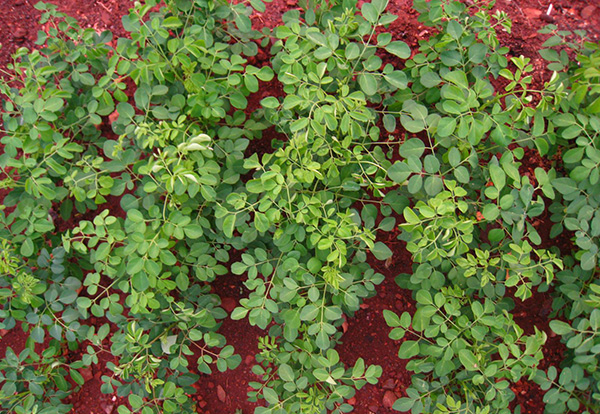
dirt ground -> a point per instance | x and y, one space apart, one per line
367 333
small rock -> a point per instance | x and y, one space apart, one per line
547 18
228 304
249 359
86 373
19 33
18 2
211 385
221 394
352 401
588 12
389 384
113 117
389 398
532 13
374 408
202 404
106 19
108 408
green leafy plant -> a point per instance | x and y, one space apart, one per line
156 253
573 129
